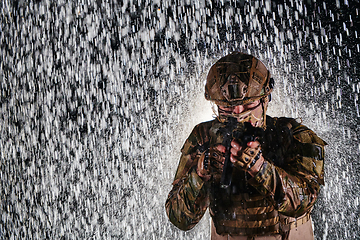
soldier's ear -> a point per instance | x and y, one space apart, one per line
269 97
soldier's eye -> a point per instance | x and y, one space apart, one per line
252 105
226 110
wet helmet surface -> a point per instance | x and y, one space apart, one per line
237 79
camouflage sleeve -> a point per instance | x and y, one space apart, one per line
188 200
294 186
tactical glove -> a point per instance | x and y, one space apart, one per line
210 163
248 158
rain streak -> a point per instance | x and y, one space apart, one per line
97 98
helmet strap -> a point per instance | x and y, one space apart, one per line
264 102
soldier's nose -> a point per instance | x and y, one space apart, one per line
239 109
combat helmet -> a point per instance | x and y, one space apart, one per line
238 79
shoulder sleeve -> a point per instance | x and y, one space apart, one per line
308 153
188 199
295 185
192 146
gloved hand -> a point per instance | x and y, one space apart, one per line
210 163
247 158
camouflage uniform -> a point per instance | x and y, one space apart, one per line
286 187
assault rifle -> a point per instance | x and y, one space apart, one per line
244 133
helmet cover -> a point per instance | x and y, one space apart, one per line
237 79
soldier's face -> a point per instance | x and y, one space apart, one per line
251 112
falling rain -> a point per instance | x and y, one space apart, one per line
97 98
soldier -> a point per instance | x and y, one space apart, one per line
273 166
